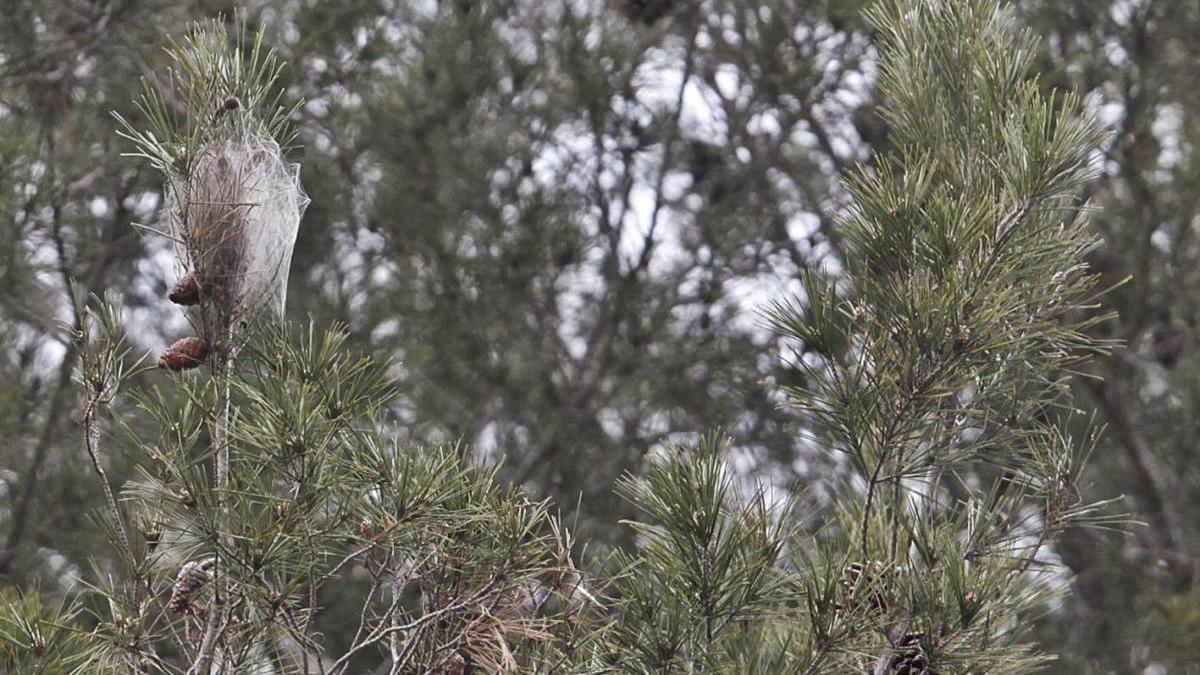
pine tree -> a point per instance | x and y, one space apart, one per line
521 267
1146 214
68 199
273 501
938 364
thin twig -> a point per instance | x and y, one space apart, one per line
381 632
220 442
92 436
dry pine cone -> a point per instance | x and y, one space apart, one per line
910 657
192 577
185 354
186 292
856 585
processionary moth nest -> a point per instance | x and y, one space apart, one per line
233 214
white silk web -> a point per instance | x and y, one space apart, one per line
234 216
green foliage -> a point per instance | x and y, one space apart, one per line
223 85
939 361
106 356
69 200
1145 212
1173 626
706 571
279 521
447 566
515 151
36 638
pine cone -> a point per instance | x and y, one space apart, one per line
1066 499
851 574
192 577
915 664
910 657
185 354
853 580
186 292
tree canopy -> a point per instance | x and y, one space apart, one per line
763 337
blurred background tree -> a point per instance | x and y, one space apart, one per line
1137 595
69 200
561 217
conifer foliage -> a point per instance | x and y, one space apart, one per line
273 506
937 363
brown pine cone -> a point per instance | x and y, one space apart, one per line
185 354
186 292
192 577
863 581
910 657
